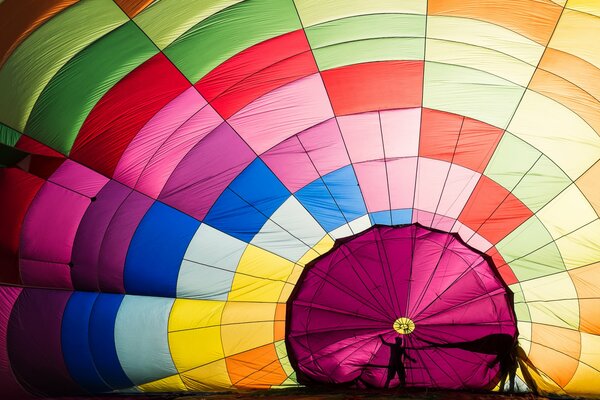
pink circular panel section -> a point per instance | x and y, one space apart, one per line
401 306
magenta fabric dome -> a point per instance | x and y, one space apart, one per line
441 298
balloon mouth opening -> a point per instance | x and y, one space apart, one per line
404 326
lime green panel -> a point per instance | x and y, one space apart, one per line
511 160
46 50
366 27
530 251
369 51
8 136
469 92
541 184
69 97
166 20
230 31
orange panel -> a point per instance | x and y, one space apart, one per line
18 18
256 368
587 284
555 351
534 19
569 95
573 69
280 322
493 211
133 7
588 184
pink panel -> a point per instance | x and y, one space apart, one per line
155 133
430 181
282 113
290 163
401 132
459 186
472 238
78 178
325 146
172 151
432 220
372 179
48 233
8 382
362 135
401 176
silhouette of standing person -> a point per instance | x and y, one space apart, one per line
396 364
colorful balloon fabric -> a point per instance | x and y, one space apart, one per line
222 194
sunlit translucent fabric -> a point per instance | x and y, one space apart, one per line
168 169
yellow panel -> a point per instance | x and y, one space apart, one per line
587 378
208 377
318 249
246 326
190 314
195 347
249 288
261 263
542 123
480 58
588 184
524 335
567 212
286 292
562 313
166 20
484 34
587 6
169 384
577 33
314 12
581 247
548 288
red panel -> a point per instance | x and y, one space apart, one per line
493 211
476 144
251 61
374 86
124 110
439 133
30 145
503 268
17 190
270 78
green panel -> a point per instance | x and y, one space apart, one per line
230 31
366 27
541 184
166 20
522 312
72 93
511 160
531 237
46 50
469 92
8 136
368 51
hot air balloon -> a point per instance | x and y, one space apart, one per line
260 194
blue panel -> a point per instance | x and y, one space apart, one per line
244 207
102 340
316 199
345 190
381 217
402 216
156 251
260 188
75 342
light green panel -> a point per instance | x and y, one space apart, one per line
522 312
166 20
229 32
72 93
8 136
469 92
541 184
366 27
46 50
511 160
368 51
530 251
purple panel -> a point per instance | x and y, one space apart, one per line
206 171
342 314
86 248
115 244
34 342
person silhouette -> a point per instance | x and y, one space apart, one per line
396 364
